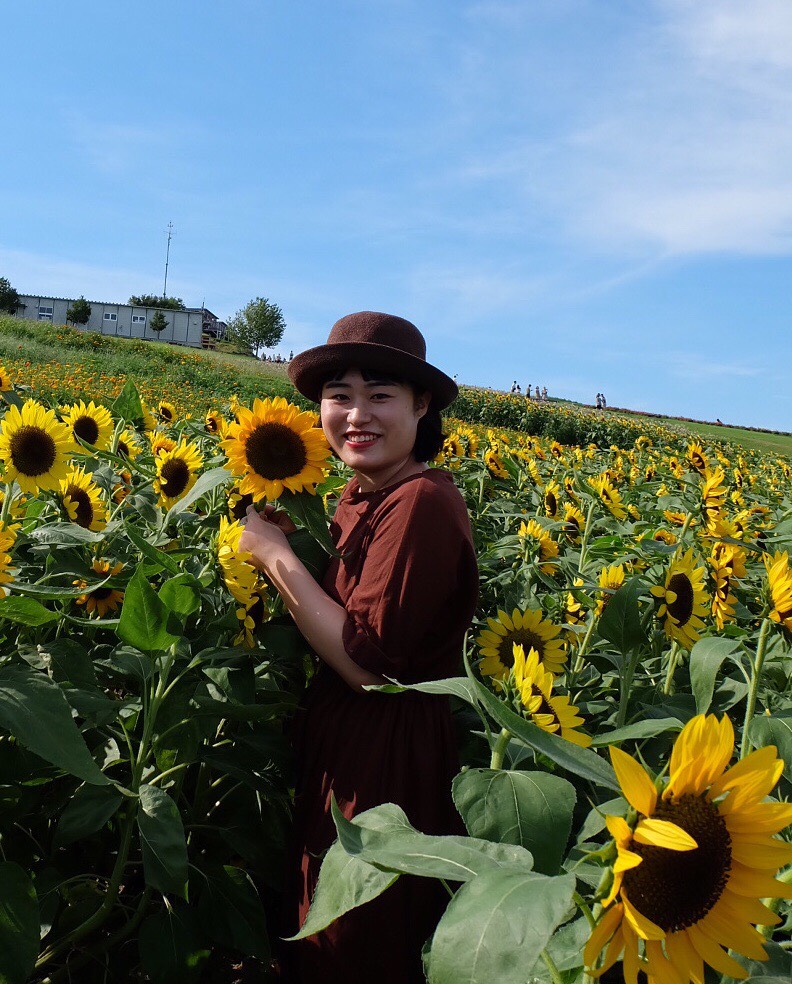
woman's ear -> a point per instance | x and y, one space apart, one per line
422 401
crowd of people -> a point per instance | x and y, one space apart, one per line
538 394
277 357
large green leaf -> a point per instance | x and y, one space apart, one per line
64 534
648 728
172 946
775 729
149 551
410 852
26 611
35 711
620 623
452 686
573 758
146 620
496 927
181 594
88 811
346 882
19 924
232 914
309 511
51 592
205 484
128 405
162 841
532 809
706 658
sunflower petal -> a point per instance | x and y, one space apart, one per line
602 932
643 927
712 954
638 788
663 833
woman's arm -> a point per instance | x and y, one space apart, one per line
319 618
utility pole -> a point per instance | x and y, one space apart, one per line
167 259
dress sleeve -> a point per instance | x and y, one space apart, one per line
411 569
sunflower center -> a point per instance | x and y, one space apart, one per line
552 503
274 451
166 414
33 451
524 637
87 429
174 477
240 507
102 594
682 607
85 510
676 889
123 449
544 705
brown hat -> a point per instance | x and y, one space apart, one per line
370 340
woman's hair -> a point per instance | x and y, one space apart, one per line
429 436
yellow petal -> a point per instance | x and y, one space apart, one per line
644 927
638 788
685 957
767 854
746 881
663 833
601 933
712 954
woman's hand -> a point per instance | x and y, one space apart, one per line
264 536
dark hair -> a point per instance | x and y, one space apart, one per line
429 437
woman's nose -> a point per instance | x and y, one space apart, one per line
358 413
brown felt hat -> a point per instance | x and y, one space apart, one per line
370 340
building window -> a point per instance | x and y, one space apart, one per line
45 312
109 316
138 319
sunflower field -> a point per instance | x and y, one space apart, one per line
624 709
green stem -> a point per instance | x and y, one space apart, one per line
672 662
502 743
756 676
584 541
555 973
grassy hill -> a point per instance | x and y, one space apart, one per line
64 364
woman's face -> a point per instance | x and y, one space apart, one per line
371 423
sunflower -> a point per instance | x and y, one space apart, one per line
535 537
252 617
609 495
452 451
664 536
696 457
104 599
574 522
683 600
551 503
494 462
122 488
82 500
526 628
126 445
7 538
34 447
557 450
160 442
6 383
779 587
675 517
215 423
574 612
177 471
713 495
90 423
469 439
691 872
239 575
534 684
166 412
149 420
275 447
610 580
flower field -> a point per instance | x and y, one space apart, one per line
624 708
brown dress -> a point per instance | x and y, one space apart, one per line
409 583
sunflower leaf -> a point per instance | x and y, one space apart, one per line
706 658
206 483
25 611
620 623
19 924
146 620
308 510
128 405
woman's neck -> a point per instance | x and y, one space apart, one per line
373 483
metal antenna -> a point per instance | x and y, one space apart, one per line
167 259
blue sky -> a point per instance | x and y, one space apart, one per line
583 195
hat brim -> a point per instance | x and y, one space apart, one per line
310 369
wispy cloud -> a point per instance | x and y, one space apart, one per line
693 366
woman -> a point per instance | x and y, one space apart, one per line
396 605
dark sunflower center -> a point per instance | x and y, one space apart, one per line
33 451
676 889
523 637
85 511
274 451
102 594
166 414
552 503
123 449
87 429
240 507
174 477
682 608
211 425
544 705
256 611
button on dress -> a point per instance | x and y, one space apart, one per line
408 581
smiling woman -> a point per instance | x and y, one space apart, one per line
396 604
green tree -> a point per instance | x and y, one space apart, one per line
79 312
260 324
158 322
9 299
152 301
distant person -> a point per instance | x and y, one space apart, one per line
719 421
513 387
544 392
599 401
604 404
518 390
538 394
291 354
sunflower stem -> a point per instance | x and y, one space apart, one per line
584 541
672 662
756 676
498 752
555 973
